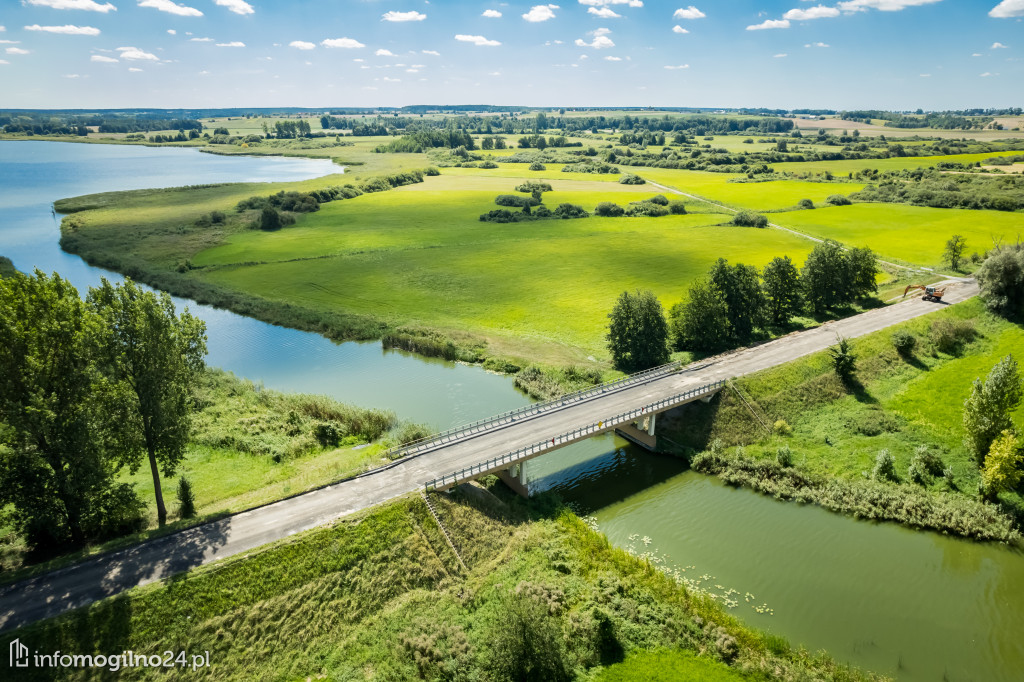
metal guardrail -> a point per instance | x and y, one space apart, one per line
531 410
595 427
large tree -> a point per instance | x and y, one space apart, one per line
702 322
954 251
638 332
781 290
741 286
1001 277
824 276
861 272
158 355
987 410
60 419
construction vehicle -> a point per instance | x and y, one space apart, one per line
931 293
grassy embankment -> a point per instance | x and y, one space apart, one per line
381 596
898 404
250 446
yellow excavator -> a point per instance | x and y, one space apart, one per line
931 293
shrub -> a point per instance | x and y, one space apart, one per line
782 428
514 200
566 211
432 171
500 215
677 208
537 166
806 204
646 209
607 209
631 179
659 199
749 219
916 472
531 186
904 342
1002 469
784 456
186 499
487 164
270 219
885 467
837 200
949 336
844 362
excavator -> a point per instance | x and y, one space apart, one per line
931 293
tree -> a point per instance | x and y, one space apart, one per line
638 332
158 356
987 409
702 323
741 287
270 219
861 273
843 359
954 253
823 276
1001 277
781 290
1002 470
60 420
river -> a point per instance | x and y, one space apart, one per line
918 606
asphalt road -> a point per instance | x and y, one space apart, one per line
80 584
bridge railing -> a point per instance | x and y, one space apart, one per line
531 410
510 458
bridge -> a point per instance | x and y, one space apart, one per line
500 444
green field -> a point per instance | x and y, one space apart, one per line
420 255
843 167
915 234
759 196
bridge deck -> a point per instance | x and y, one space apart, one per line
77 585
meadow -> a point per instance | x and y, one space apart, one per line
381 596
758 196
846 166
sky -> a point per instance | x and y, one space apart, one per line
845 54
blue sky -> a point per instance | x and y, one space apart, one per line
890 54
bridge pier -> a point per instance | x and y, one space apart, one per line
515 478
640 432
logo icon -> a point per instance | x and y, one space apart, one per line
19 654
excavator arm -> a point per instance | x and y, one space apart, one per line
931 293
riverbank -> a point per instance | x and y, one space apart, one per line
383 592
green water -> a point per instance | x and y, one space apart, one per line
913 605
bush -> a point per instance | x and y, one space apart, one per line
904 342
806 204
646 209
659 199
186 499
607 209
749 219
885 467
531 186
537 166
677 208
844 362
500 215
566 211
515 201
784 456
837 200
631 179
949 336
782 428
270 219
487 164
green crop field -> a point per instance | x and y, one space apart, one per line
915 234
843 167
420 255
763 196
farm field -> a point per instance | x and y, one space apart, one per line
426 259
914 234
759 196
843 167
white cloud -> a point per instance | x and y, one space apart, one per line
491 14
601 40
998 46
818 44
882 5
925 75
540 13
302 45
172 32
412 70
603 13
613 59
134 69
819 12
10 42
88 5
16 50
102 59
2 29
1007 9
200 40
681 66
476 40
434 53
384 53
779 55
976 54
403 16
391 80
67 29
690 12
72 75
769 23
233 43
605 3
987 74
135 54
347 43
679 29
171 8
4 61
236 6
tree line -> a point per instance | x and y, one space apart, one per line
89 387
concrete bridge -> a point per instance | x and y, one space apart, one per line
500 444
